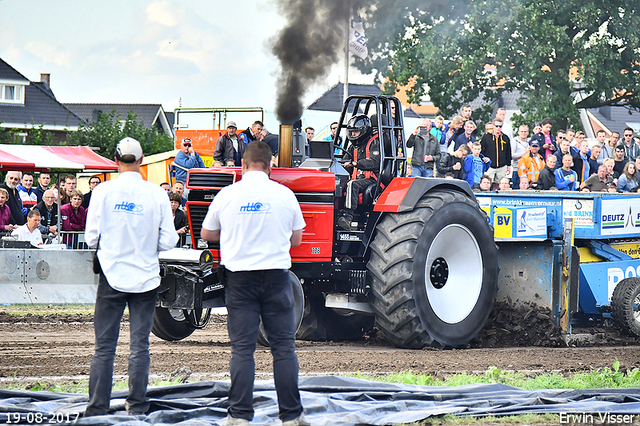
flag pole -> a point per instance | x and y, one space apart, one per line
346 55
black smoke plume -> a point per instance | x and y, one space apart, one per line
307 47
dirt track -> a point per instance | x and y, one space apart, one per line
45 347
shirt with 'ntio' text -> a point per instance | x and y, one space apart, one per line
256 218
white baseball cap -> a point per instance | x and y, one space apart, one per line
129 146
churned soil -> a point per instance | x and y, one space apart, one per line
59 346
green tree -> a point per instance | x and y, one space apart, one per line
560 56
110 128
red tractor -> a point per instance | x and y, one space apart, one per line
420 261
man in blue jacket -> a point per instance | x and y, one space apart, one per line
186 159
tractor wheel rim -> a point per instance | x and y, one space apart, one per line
453 273
636 308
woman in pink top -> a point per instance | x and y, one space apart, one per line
5 211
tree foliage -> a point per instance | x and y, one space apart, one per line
111 128
560 56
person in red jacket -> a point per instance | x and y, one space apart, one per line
73 217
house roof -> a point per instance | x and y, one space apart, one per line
333 99
40 107
7 72
616 118
149 114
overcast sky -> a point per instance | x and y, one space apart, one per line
210 53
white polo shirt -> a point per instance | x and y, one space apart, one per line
134 220
256 218
23 234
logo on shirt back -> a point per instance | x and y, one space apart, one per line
256 207
126 207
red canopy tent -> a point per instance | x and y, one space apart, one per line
53 158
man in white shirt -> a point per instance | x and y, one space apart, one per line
257 222
29 231
130 221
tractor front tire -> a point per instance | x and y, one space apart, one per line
172 324
298 309
625 306
435 272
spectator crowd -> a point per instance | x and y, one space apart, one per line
30 213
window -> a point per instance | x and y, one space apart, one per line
11 93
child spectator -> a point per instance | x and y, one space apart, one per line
475 165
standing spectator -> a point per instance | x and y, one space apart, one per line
566 179
570 136
507 129
497 147
5 212
166 187
27 193
609 148
453 164
73 217
581 159
565 148
129 221
602 143
311 132
594 158
546 140
467 136
179 218
631 148
488 128
619 161
255 253
547 178
186 159
531 163
597 182
273 140
48 209
628 181
178 188
537 127
465 113
69 184
44 180
93 182
475 166
426 150
450 131
29 231
609 163
229 148
251 133
438 129
333 127
11 181
519 146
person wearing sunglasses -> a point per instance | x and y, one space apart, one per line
186 159
497 148
631 148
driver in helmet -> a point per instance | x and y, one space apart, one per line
364 164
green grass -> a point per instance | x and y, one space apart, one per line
604 378
22 310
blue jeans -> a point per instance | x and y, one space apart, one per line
109 308
421 171
266 294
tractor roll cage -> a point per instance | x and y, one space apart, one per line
391 129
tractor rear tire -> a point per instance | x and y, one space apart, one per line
625 306
322 324
435 272
298 308
171 324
